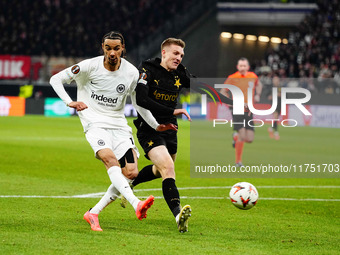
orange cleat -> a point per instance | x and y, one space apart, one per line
92 219
143 206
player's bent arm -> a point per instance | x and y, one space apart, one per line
225 99
143 100
258 91
224 92
57 82
182 111
146 114
149 118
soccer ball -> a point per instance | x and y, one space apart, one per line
243 195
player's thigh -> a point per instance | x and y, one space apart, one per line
101 143
129 164
164 163
99 139
108 157
249 135
241 134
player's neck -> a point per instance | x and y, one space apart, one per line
162 64
112 68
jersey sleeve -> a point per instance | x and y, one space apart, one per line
135 79
145 113
76 72
142 95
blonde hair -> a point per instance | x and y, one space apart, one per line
170 41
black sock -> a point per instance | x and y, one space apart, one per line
275 125
144 175
171 195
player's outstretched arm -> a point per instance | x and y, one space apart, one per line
165 127
182 111
149 118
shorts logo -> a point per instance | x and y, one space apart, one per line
101 142
75 69
120 88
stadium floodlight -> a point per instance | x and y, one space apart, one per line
263 38
226 35
284 41
251 38
238 36
275 40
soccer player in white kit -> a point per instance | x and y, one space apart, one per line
103 84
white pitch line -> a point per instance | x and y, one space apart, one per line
258 187
100 194
95 195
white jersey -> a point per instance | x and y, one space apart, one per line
103 91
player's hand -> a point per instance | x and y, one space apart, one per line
79 106
182 111
257 98
165 127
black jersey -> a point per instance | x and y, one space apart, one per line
158 90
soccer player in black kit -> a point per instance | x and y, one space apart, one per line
157 90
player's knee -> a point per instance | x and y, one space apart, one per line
167 167
131 171
249 140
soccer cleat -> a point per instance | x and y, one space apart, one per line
143 206
183 218
239 164
92 219
271 132
123 201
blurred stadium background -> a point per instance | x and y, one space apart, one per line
48 176
291 39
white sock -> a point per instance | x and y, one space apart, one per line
111 194
177 218
120 183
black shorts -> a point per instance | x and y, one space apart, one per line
149 138
245 118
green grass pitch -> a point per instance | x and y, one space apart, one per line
42 156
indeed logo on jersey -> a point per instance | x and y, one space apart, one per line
103 99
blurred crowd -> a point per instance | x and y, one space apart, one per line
75 27
313 51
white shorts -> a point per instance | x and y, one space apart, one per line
118 140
